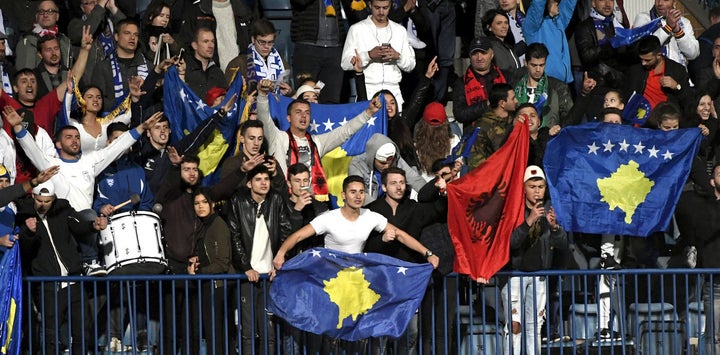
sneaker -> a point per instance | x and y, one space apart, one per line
142 340
607 335
115 345
94 269
608 262
691 255
554 338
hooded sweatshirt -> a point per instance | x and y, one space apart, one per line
364 166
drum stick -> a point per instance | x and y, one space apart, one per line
134 198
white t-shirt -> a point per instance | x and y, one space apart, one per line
344 235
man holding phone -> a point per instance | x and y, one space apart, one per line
383 48
531 249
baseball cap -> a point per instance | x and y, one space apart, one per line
385 151
45 189
303 89
434 114
213 94
480 44
533 171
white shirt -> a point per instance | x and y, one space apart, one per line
363 37
345 235
76 180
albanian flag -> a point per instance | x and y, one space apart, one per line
485 205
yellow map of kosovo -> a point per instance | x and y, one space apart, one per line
351 292
626 189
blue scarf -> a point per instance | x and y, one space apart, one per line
108 44
259 69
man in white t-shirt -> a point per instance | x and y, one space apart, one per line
347 228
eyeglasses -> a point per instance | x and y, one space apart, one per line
265 43
47 12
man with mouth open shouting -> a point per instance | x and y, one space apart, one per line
297 145
38 114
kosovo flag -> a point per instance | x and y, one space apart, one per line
637 110
627 36
616 179
486 204
10 302
325 118
348 296
185 111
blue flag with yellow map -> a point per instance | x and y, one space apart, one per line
617 179
325 118
348 296
185 111
10 301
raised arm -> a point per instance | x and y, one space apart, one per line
78 68
301 234
28 144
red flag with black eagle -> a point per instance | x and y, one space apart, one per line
486 204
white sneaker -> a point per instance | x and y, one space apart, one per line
94 269
115 345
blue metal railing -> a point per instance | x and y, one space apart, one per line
659 311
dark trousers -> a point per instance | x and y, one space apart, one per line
255 321
58 305
437 310
323 63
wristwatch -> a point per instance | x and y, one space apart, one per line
678 87
428 253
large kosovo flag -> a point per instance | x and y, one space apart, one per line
327 117
616 179
10 302
185 111
485 205
348 296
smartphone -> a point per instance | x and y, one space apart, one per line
306 188
386 45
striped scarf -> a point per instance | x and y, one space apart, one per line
108 45
259 69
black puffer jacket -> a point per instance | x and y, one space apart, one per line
243 211
65 223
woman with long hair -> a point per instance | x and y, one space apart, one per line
88 119
212 256
507 53
433 138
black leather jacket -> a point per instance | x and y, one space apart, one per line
243 210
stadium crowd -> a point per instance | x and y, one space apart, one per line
108 158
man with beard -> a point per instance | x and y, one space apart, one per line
180 225
36 113
411 217
472 91
46 24
153 156
657 77
297 145
77 171
50 72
